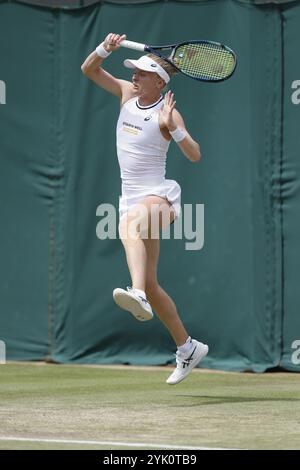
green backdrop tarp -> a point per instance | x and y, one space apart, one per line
58 164
290 190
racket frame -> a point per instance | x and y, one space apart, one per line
154 50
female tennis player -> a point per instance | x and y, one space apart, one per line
147 123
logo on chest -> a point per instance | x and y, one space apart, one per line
131 128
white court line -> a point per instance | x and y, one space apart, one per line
109 443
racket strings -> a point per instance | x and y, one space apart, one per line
207 61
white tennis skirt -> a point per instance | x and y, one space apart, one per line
168 189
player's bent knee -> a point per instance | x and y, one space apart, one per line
129 230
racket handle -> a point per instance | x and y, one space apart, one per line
137 46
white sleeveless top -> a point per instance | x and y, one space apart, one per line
142 153
141 147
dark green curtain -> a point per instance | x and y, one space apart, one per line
58 164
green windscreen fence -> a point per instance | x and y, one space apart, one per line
58 167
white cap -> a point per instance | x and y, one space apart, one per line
149 65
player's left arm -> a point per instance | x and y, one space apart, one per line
189 147
172 120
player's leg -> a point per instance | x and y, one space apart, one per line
133 226
142 221
142 253
131 237
189 351
160 301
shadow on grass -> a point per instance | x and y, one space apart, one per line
200 400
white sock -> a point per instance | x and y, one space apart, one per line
186 347
139 292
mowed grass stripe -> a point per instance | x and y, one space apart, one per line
214 410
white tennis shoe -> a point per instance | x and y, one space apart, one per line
134 303
185 364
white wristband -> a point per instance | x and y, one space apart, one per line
178 135
101 51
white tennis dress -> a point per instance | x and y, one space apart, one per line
142 153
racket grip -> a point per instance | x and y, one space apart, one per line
137 46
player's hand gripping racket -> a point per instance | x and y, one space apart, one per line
202 60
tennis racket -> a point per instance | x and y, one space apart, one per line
202 60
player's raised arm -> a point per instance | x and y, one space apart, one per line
173 121
92 66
